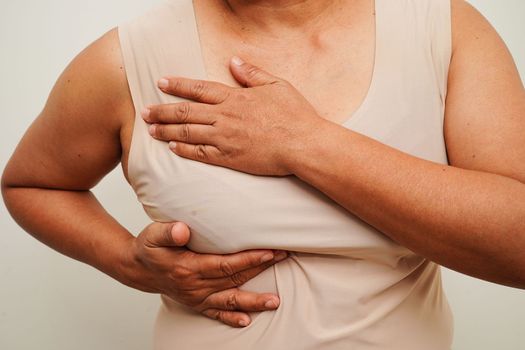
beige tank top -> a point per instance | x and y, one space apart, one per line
346 285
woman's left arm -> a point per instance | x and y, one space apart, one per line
468 216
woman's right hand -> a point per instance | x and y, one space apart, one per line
158 262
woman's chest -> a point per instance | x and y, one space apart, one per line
332 67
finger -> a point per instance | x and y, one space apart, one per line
249 75
167 235
182 112
231 318
199 152
187 133
180 232
248 263
239 278
238 300
196 90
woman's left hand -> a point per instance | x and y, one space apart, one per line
255 129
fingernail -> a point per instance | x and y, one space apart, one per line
271 304
243 323
163 83
151 129
281 255
178 226
145 113
172 145
267 257
237 61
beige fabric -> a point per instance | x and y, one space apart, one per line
346 286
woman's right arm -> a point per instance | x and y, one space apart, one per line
68 149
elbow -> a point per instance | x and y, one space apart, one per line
6 186
15 196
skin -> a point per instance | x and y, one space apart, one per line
468 216
71 146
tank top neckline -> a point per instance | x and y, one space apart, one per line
374 76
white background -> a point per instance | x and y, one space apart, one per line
50 302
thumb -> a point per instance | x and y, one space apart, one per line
161 234
249 75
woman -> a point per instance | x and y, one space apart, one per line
346 284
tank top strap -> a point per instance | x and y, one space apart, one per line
413 51
416 32
441 41
163 41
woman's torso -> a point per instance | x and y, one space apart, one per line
347 285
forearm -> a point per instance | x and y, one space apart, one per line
73 223
470 221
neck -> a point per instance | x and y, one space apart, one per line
283 14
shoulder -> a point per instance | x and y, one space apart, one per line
470 27
94 84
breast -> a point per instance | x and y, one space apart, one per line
230 211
